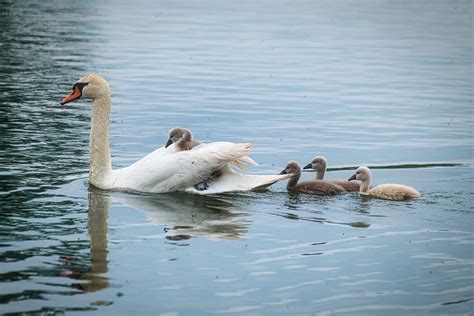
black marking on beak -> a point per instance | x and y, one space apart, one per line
169 142
308 166
283 172
80 86
353 177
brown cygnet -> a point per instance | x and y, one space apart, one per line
182 138
319 164
317 187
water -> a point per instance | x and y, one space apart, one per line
366 82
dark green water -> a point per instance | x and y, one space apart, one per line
386 84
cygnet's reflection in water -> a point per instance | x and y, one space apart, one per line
297 201
185 215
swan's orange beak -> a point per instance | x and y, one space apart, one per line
75 94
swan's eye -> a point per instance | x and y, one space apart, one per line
80 85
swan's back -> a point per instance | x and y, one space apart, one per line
396 192
319 187
162 172
349 186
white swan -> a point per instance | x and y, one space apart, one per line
319 164
396 192
163 170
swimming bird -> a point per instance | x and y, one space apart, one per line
318 187
396 192
161 170
319 164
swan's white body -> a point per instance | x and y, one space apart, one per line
395 192
165 169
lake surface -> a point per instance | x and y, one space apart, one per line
362 82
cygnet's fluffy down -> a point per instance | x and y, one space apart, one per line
319 164
317 187
182 138
396 192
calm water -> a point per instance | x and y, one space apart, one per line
362 82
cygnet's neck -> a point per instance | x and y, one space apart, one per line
321 172
365 185
100 162
293 181
184 143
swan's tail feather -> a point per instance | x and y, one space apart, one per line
248 160
237 152
239 165
231 181
272 180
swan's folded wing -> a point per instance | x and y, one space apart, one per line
158 172
231 181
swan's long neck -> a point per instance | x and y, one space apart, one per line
293 181
365 185
100 161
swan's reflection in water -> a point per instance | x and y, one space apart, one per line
183 215
95 279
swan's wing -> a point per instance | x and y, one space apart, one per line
231 181
161 172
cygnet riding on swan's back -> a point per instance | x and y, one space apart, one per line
182 138
318 187
319 164
396 192
162 170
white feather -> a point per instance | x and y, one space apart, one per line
231 181
162 171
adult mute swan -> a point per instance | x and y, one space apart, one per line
396 192
319 164
317 187
163 170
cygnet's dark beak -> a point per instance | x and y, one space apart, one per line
308 166
352 178
169 142
283 171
